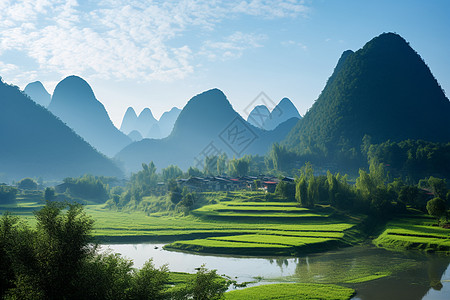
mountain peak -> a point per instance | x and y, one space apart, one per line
37 92
384 90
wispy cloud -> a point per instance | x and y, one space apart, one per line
126 39
231 47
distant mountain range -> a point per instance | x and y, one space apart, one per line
35 143
207 125
261 117
146 125
385 91
37 92
74 102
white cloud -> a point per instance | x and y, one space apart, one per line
126 39
231 47
295 44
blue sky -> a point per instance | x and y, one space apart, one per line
158 54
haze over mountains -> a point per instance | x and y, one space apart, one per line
36 143
384 90
261 117
146 125
74 102
37 92
207 125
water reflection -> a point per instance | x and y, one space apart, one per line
411 275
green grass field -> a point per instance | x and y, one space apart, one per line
292 291
418 232
248 225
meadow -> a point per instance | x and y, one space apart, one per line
292 291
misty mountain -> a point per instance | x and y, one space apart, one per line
384 90
167 121
129 121
207 125
135 136
258 116
35 143
145 121
147 125
261 117
37 92
75 104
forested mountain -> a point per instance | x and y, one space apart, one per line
75 104
261 117
208 125
384 90
36 143
37 92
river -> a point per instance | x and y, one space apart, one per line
413 275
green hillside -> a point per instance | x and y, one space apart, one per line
384 90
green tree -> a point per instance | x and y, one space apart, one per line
7 193
210 167
49 194
171 172
436 207
286 190
239 167
301 192
194 172
207 285
149 282
63 241
27 184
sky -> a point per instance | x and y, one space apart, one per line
159 54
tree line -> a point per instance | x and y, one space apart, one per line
59 259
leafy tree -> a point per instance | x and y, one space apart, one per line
222 163
239 167
436 207
149 282
175 191
207 285
194 172
210 167
27 184
7 193
105 276
171 172
63 242
301 192
286 190
49 194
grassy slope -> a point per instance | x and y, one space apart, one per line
292 291
414 231
249 226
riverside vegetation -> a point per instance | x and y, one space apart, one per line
314 214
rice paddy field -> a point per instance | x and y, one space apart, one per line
292 291
417 232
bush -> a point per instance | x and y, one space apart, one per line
27 184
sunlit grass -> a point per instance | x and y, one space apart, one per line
292 291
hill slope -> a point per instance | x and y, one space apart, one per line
208 125
384 90
36 143
75 104
37 92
